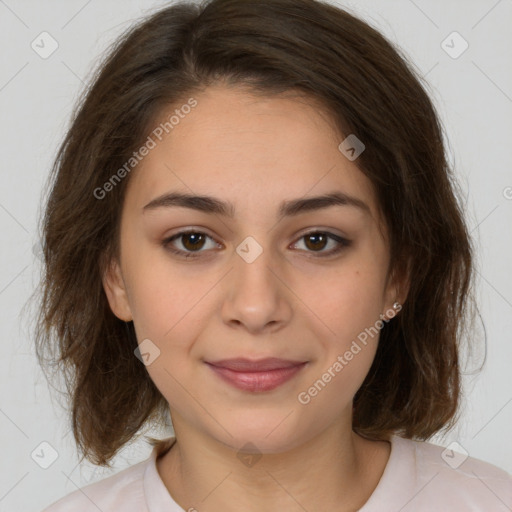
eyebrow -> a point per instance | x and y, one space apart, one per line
212 205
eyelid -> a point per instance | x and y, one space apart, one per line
341 241
167 242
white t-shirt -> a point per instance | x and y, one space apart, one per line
418 477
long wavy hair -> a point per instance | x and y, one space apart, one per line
270 46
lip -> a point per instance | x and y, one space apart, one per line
261 375
241 364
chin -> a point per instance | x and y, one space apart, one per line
268 433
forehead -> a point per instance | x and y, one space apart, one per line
254 151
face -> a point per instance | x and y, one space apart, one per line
302 283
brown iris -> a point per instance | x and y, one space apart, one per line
319 240
193 241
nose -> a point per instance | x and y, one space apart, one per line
257 297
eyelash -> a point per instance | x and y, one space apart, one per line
343 243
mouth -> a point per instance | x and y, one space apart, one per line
256 376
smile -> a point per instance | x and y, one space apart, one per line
254 381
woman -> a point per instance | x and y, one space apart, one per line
253 229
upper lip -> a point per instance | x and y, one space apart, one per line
247 365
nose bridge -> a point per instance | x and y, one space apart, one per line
253 265
256 296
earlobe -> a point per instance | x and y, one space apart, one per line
398 291
115 290
404 284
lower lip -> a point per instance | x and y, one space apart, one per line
257 381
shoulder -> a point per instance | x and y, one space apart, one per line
452 480
122 491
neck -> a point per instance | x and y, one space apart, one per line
336 470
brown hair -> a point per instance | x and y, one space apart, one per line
271 46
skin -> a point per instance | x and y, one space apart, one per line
290 303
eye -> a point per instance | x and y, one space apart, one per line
192 241
316 241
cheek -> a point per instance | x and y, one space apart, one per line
170 314
337 381
350 308
349 302
164 296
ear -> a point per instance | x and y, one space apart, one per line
115 290
398 287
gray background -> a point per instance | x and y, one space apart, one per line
473 94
